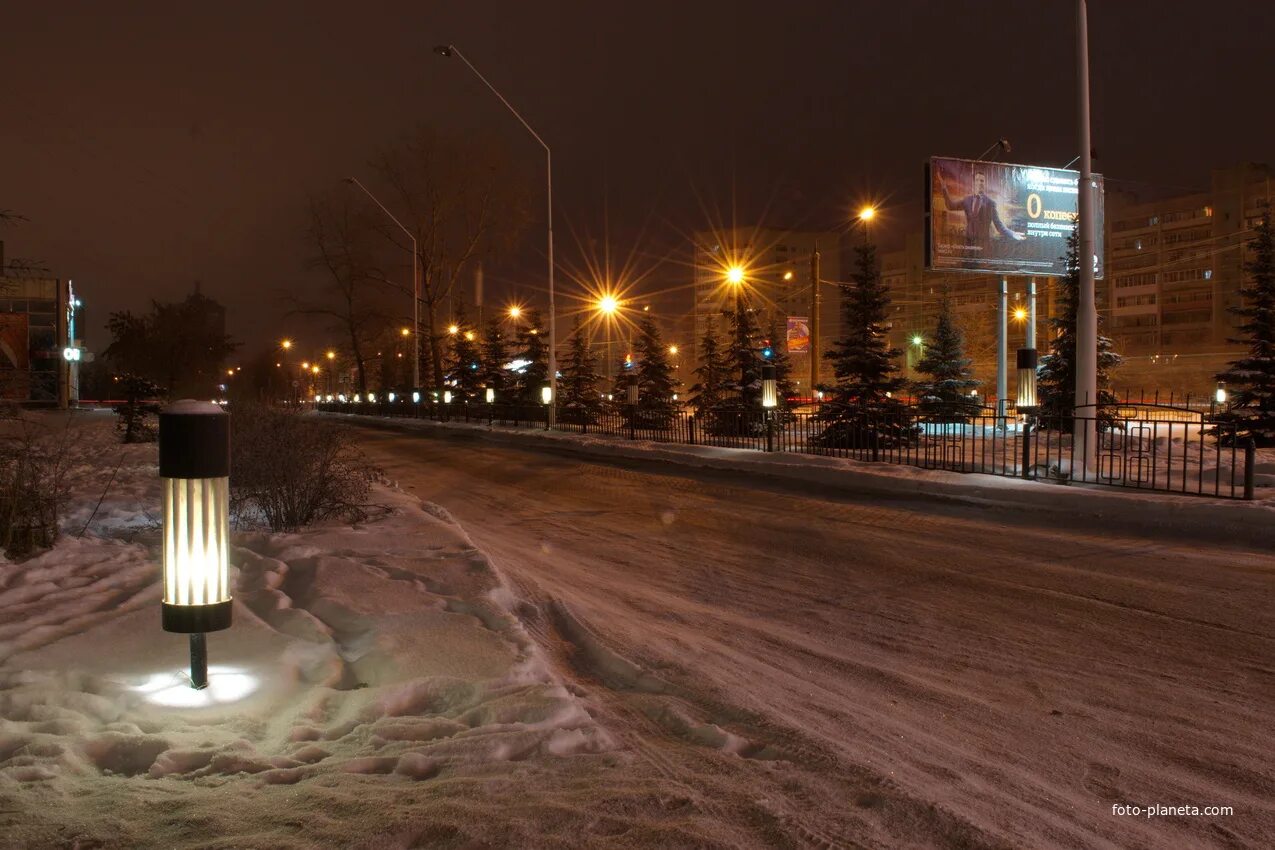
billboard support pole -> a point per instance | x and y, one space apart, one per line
1002 350
1084 442
1031 314
814 322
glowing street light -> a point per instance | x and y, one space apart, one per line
405 332
918 340
453 329
867 214
735 275
469 336
515 311
286 344
672 349
788 275
608 304
1020 314
331 355
194 470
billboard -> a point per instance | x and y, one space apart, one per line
998 218
798 335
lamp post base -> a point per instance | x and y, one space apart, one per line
199 661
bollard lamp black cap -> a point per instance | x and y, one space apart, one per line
194 440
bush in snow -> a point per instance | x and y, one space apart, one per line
139 408
33 466
291 470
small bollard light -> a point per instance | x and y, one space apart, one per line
341 398
491 395
1027 398
546 394
769 387
194 468
330 399
358 399
447 396
1220 394
416 396
633 390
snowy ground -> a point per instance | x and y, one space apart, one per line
593 655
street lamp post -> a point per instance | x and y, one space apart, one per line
447 51
416 285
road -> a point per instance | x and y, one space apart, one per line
872 673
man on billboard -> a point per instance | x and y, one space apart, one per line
980 211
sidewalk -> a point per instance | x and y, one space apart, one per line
1222 521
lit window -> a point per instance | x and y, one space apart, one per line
1208 212
1208 274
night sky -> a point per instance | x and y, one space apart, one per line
153 144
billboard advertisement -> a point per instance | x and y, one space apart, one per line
998 218
798 335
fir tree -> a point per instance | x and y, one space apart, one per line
745 358
532 348
1250 380
578 389
862 358
495 356
655 375
783 365
947 392
709 392
1056 377
464 362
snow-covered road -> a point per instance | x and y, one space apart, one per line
883 673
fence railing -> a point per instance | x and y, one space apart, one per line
1132 447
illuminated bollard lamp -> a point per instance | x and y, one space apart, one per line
1027 401
769 401
194 469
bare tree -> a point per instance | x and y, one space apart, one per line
339 237
465 203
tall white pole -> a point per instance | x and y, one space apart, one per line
416 318
449 50
1002 346
1031 314
1084 434
553 326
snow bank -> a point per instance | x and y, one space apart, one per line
384 651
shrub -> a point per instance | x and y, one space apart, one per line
292 470
33 466
139 408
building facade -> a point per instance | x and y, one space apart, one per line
39 349
1175 270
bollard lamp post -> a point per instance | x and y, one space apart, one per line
769 401
1027 401
194 469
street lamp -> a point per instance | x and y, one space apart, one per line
416 283
286 344
515 312
447 51
194 468
866 215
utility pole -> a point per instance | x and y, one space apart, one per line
814 321
1002 350
1085 432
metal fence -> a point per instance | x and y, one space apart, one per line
1140 447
